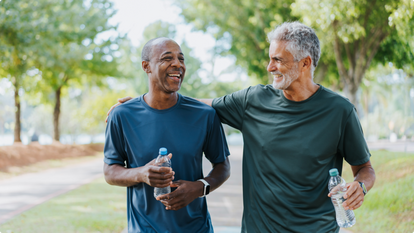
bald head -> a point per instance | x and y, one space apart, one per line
148 47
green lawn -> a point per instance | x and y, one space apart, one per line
95 207
389 206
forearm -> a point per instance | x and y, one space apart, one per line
365 174
209 102
218 174
118 175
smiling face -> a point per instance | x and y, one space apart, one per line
166 67
282 65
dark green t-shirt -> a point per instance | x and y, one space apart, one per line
289 148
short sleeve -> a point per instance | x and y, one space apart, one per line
230 108
353 146
114 142
215 146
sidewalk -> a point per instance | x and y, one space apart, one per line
23 192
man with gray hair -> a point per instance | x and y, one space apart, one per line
294 132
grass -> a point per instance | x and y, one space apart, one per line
389 205
95 207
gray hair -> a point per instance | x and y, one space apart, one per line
147 49
302 41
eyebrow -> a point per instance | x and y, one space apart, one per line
277 58
171 53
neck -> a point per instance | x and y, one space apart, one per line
161 101
301 89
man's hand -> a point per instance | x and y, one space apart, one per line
120 101
155 176
185 193
354 196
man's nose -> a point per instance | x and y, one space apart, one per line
176 62
271 67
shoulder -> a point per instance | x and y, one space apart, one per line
336 100
191 103
125 108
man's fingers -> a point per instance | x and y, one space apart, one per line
125 99
110 110
175 184
351 189
354 197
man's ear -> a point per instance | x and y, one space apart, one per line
307 62
146 66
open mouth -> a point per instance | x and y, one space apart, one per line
277 76
175 77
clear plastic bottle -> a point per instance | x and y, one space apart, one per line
337 186
162 161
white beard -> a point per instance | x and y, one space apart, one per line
287 78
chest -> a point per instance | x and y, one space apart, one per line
182 136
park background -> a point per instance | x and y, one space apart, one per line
64 63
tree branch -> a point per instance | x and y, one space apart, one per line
351 59
337 51
368 12
373 51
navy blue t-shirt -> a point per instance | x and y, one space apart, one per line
134 134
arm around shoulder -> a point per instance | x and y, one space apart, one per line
209 102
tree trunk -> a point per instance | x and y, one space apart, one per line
350 90
17 125
56 115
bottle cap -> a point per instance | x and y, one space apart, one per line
333 172
163 151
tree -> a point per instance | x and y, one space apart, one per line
20 26
351 31
70 52
356 30
244 26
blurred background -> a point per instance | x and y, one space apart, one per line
64 63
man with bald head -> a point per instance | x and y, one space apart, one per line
187 128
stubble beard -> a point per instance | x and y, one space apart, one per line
288 78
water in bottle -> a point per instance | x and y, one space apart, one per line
337 186
162 161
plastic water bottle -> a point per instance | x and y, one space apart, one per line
337 186
162 161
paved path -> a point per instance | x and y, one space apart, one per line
23 192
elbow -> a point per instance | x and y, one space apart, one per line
227 168
108 174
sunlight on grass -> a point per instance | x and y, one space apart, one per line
389 205
95 207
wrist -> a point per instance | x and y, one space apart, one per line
206 187
362 185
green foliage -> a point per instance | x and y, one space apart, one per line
350 31
242 27
354 31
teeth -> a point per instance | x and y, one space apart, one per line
176 75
